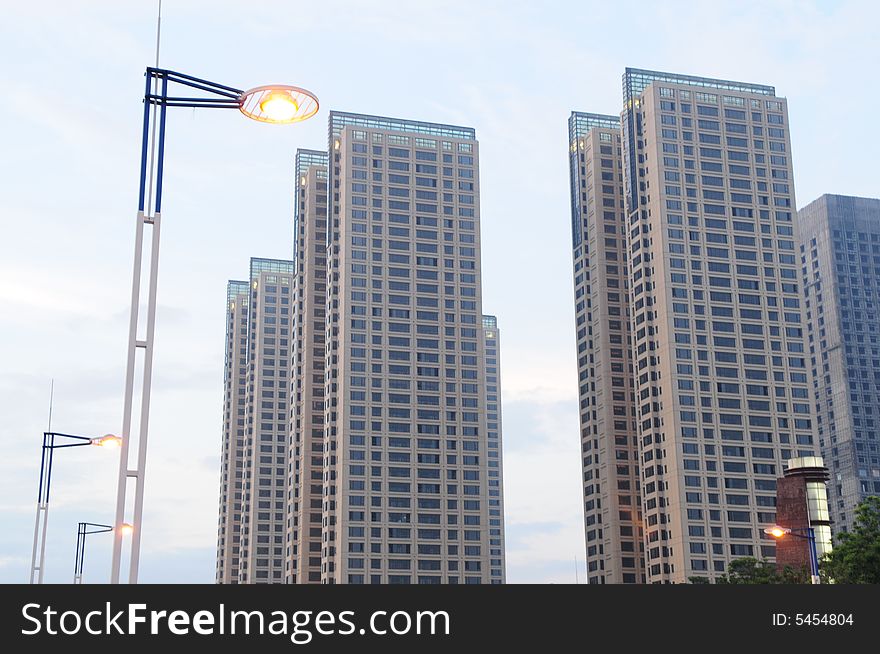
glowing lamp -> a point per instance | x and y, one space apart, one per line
278 104
776 531
109 441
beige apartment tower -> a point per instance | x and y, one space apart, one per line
717 324
266 445
609 445
709 394
406 492
234 419
305 465
492 355
369 385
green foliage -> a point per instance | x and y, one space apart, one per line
855 558
752 571
749 570
795 576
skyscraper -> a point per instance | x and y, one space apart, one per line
391 443
716 325
840 259
609 446
716 315
306 458
232 446
406 496
492 355
267 429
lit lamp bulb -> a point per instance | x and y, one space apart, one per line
776 531
279 106
109 441
126 529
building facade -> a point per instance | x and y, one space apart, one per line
234 426
372 450
306 458
264 506
709 393
492 355
717 319
609 445
840 259
405 461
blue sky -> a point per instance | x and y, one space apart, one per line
70 120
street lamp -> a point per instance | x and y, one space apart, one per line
777 531
38 556
109 441
82 531
808 534
275 104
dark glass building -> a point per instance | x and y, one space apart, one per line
840 259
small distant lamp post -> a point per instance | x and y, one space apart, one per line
38 557
84 529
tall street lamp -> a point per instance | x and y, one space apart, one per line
276 104
84 529
807 533
38 556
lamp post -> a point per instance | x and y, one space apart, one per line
38 556
810 536
277 104
81 532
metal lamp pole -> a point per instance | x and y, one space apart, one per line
81 532
278 104
807 533
814 558
38 556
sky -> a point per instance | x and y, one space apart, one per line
70 121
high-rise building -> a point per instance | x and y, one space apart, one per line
232 446
840 258
492 355
266 446
716 354
306 458
717 323
406 496
391 446
609 445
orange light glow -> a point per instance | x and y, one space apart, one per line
278 104
109 441
777 531
126 529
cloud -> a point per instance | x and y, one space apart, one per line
542 487
542 552
8 561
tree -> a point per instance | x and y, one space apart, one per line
752 571
749 570
855 558
795 575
